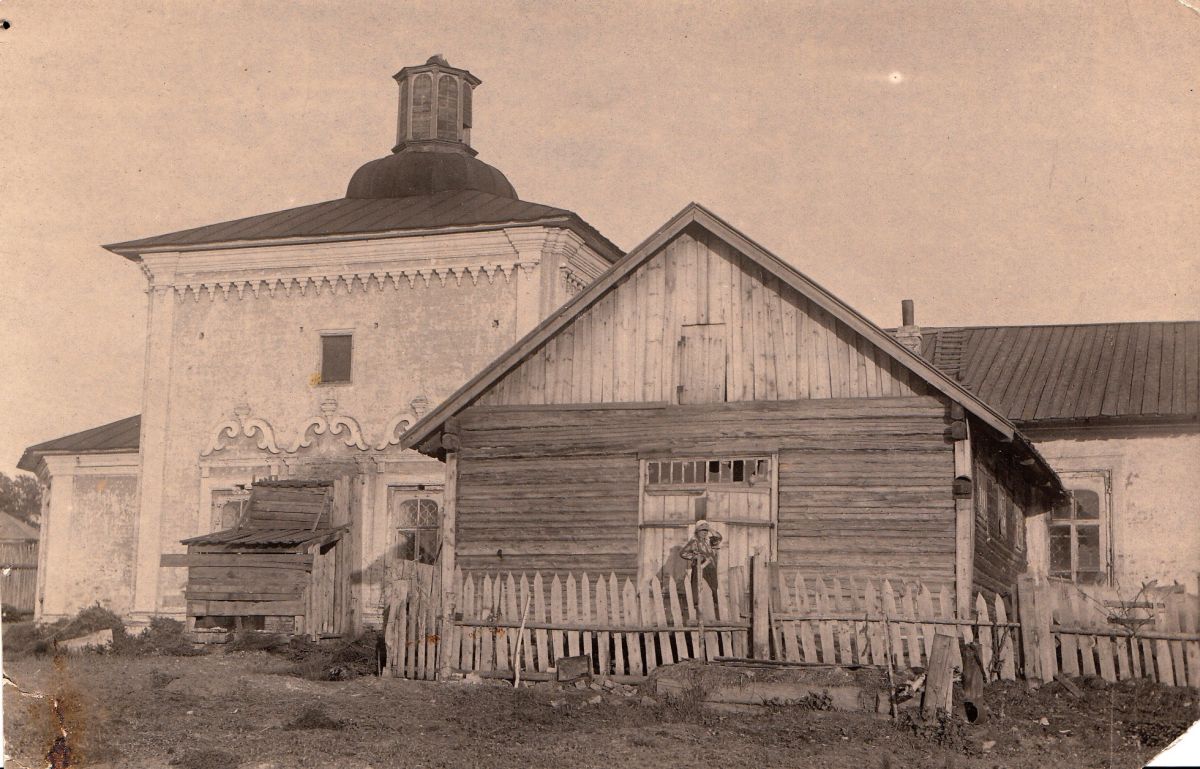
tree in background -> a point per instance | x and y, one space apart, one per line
21 497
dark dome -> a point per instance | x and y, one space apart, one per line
410 172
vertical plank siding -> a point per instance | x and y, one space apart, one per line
779 345
864 484
18 586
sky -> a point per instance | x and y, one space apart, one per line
998 163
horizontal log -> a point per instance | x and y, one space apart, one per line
212 595
245 608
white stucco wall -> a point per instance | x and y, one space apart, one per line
234 331
1155 500
87 540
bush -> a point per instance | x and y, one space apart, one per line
337 661
164 636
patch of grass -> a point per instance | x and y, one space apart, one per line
255 641
313 717
164 636
338 660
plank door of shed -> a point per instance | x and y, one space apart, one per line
743 517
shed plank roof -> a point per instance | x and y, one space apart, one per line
1052 374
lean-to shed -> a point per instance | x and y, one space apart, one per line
703 378
279 568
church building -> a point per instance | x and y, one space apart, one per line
301 344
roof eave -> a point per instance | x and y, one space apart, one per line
134 249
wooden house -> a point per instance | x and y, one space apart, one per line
279 568
703 378
18 564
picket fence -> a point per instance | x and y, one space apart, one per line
505 624
1066 631
528 622
855 621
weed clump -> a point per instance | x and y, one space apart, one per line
314 717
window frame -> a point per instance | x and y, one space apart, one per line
321 337
406 491
1099 483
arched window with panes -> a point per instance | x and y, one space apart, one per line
1078 528
416 514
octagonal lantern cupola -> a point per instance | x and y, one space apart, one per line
435 107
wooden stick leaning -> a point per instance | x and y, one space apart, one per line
516 657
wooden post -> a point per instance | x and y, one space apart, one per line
1037 643
447 558
760 592
964 526
939 681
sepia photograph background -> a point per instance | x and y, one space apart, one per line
995 162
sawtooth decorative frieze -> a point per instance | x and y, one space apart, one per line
328 422
350 283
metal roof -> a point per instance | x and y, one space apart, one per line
1046 375
461 209
119 436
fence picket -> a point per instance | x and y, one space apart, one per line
1175 624
725 614
709 615
433 631
571 595
585 613
512 616
824 627
807 638
986 649
660 618
645 616
556 616
791 644
466 605
875 630
845 638
862 641
486 636
681 646
960 632
925 607
421 634
1007 645
737 589
603 638
632 642
614 608
539 614
893 630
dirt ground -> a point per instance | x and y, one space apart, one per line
245 710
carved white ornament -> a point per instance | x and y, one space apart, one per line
332 423
242 424
400 423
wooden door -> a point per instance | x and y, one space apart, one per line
734 495
702 364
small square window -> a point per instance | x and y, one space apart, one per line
336 355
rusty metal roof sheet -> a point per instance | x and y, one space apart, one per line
1095 373
466 209
119 436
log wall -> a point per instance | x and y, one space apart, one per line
865 485
1002 499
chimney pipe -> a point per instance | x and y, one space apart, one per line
909 334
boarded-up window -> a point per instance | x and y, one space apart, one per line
227 507
447 121
422 107
336 357
702 363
